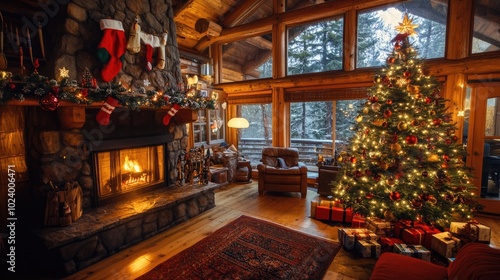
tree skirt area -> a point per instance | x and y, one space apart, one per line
250 248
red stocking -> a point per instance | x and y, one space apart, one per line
106 110
171 113
151 42
111 48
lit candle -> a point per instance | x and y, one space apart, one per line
40 35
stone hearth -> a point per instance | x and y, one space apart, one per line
106 230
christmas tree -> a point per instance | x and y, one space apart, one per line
405 160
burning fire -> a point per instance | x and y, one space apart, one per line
133 172
131 165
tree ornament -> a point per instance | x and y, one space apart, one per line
387 113
376 107
353 160
436 122
406 74
373 99
425 174
402 126
433 158
12 86
389 216
49 102
415 123
411 139
416 203
428 100
395 147
388 102
377 79
395 196
391 60
366 110
369 195
359 118
390 181
432 200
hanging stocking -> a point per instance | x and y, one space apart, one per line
111 48
134 38
171 113
151 42
161 51
106 110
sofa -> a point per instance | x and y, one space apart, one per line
281 171
473 261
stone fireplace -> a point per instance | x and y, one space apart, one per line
125 171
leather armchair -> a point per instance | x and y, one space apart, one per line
281 171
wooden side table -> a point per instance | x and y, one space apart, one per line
244 171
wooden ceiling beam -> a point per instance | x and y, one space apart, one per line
179 8
241 12
311 13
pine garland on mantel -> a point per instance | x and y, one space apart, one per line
36 86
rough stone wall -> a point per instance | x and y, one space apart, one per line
76 46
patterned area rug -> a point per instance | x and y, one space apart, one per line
250 248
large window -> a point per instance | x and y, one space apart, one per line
316 47
376 30
209 128
313 125
486 36
259 133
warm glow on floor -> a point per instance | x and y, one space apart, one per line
138 264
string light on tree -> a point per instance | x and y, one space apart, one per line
404 161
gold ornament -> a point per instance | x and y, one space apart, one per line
433 158
407 26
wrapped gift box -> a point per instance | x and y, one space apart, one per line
445 244
399 226
332 213
429 232
387 243
379 226
325 203
348 236
413 236
368 248
358 221
480 233
414 251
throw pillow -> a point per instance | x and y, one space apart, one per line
282 163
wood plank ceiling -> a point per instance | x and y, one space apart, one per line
230 13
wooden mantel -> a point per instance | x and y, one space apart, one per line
72 115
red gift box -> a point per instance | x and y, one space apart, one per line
429 232
336 214
387 243
413 236
399 226
358 221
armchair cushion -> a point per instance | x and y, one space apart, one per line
282 163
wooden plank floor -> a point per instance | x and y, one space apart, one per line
233 201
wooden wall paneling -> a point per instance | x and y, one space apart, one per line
350 33
459 28
216 51
455 90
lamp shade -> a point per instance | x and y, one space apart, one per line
238 123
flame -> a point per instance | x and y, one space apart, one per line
131 165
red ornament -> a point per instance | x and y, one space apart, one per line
416 203
411 139
395 196
391 60
49 102
428 100
55 90
12 86
389 102
436 122
373 99
353 160
407 74
415 123
84 92
387 113
369 195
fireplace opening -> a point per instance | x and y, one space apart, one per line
125 168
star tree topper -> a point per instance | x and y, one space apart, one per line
407 26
